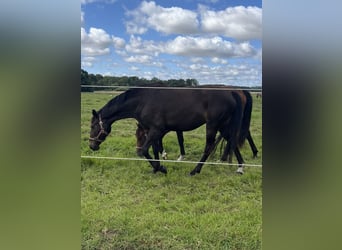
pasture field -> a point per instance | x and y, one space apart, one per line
125 206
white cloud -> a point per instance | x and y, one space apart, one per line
133 68
87 61
172 20
82 17
119 43
197 59
230 74
139 59
219 60
239 22
95 43
196 48
243 23
138 46
208 47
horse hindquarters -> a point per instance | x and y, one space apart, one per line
231 132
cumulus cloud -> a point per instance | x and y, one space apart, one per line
87 61
190 46
139 59
95 43
229 74
138 46
219 60
172 20
243 23
119 43
208 47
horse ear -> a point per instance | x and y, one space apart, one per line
95 114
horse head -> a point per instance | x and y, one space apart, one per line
99 130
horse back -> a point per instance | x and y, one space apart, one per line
184 109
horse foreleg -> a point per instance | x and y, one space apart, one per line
209 146
152 140
161 149
181 145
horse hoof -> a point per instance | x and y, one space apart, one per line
180 158
192 173
163 169
239 171
164 155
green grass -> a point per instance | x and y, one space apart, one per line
125 206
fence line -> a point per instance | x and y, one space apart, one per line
192 162
156 87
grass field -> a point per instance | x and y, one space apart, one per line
125 206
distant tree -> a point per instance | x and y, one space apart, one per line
85 81
155 80
191 82
98 79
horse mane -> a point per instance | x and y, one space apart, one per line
121 98
117 100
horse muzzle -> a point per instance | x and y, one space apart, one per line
139 151
94 146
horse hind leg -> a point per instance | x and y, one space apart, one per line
161 149
240 161
251 143
209 146
225 154
230 149
180 138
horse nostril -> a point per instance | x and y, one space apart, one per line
94 147
139 152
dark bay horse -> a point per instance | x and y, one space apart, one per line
247 103
160 111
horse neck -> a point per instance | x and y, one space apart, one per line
119 108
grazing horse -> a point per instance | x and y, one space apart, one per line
247 103
160 111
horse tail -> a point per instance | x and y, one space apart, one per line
235 123
246 119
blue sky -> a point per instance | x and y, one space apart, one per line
213 41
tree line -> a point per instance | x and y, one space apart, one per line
115 81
